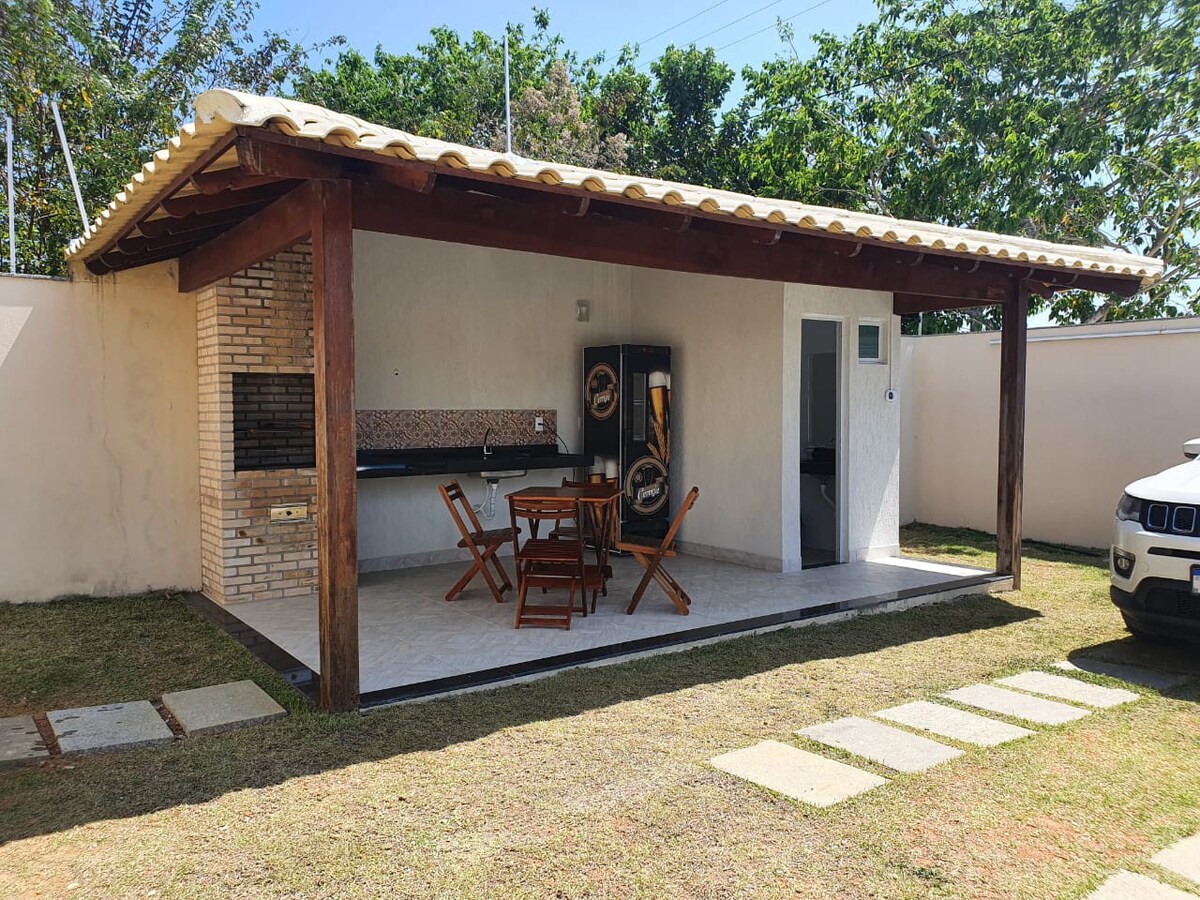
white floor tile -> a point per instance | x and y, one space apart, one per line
408 633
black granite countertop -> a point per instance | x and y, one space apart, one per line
465 460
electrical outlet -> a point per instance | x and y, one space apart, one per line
297 512
539 424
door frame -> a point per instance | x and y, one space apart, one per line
841 456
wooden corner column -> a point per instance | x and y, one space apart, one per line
337 489
1012 434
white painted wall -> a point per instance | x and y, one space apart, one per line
870 456
726 397
1106 404
99 459
98 407
450 318
468 328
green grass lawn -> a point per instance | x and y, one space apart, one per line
594 783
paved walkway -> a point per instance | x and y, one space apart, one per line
1031 698
126 726
1181 860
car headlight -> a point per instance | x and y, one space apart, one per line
1129 509
1123 562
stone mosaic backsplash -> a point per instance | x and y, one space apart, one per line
410 429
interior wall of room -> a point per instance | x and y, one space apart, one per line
450 326
869 486
726 395
100 483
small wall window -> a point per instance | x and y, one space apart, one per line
870 342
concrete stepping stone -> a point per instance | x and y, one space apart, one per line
956 724
115 726
1065 688
222 707
883 744
1158 681
1017 705
20 742
1182 858
797 773
1128 886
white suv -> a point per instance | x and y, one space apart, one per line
1156 552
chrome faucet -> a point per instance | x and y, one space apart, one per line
487 451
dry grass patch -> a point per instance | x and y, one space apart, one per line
594 783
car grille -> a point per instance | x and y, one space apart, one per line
1169 602
1171 518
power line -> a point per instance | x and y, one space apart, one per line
753 12
655 37
707 34
775 24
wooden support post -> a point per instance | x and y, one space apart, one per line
1012 434
337 490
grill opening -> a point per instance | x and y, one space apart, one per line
274 419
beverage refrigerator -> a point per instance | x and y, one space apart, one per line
627 426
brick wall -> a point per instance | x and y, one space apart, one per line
258 321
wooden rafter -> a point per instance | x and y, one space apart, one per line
234 178
201 204
165 225
270 164
483 220
283 224
910 304
367 163
200 164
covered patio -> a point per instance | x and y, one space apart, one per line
256 178
414 644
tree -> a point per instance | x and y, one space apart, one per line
672 117
124 72
1075 123
549 123
449 88
666 124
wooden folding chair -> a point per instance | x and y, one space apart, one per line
547 562
483 544
651 558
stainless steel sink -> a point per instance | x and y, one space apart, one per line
498 474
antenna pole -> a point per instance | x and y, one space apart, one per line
62 137
507 99
12 203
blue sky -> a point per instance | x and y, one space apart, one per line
588 27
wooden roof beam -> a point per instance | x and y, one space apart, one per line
277 227
199 204
911 304
214 181
368 164
496 222
166 225
267 159
136 246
